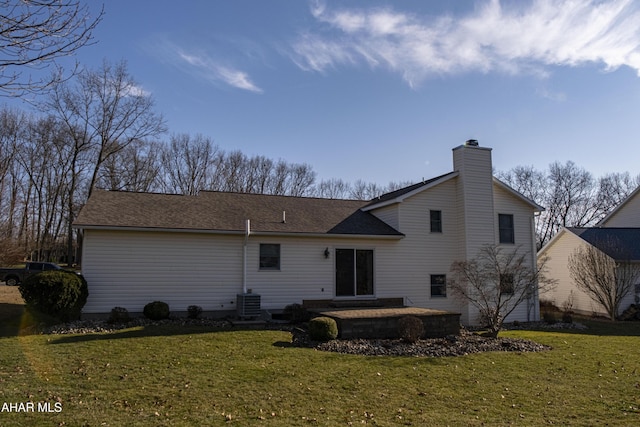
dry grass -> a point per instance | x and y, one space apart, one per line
173 375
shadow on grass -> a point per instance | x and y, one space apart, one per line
600 327
17 320
284 344
10 319
141 332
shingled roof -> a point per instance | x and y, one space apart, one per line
227 212
397 194
621 244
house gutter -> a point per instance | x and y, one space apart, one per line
242 233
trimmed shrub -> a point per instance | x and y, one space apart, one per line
549 317
156 310
567 317
119 315
60 294
548 305
296 313
323 329
194 311
410 328
631 313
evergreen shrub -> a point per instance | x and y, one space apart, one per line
323 329
60 294
156 310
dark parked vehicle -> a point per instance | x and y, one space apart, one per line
15 276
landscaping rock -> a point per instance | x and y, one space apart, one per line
454 345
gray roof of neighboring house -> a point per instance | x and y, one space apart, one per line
621 244
228 212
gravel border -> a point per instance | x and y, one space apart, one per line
454 345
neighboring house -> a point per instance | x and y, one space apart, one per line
617 235
206 249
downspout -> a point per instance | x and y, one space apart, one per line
247 231
531 304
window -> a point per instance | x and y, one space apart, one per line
505 227
354 272
506 284
269 256
436 221
438 285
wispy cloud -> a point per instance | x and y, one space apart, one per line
550 95
201 64
509 38
135 90
209 69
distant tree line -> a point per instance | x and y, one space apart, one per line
99 130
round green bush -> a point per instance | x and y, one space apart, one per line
194 311
156 310
60 294
296 313
119 315
323 329
410 328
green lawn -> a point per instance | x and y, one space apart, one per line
195 376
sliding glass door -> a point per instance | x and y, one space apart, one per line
354 272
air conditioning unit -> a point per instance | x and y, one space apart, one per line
248 306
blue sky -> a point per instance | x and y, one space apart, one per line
382 91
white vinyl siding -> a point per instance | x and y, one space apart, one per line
506 202
628 215
131 269
475 197
407 269
389 214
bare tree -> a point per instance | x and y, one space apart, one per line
45 193
613 188
496 282
527 181
572 196
187 163
607 281
34 35
301 177
333 189
103 111
12 123
361 190
135 168
10 252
